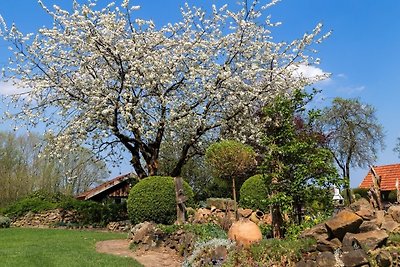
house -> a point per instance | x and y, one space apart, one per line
388 174
116 189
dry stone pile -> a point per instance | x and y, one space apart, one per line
220 211
45 219
353 237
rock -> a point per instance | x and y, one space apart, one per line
389 225
345 221
380 217
325 245
350 243
370 240
361 203
326 259
221 203
384 259
367 226
318 232
267 219
394 212
306 263
245 213
244 232
140 232
354 258
366 214
202 215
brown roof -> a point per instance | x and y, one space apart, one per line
103 187
388 174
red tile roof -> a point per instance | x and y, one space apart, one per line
103 187
388 174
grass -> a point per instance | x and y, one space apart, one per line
56 247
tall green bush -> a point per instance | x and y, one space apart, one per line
153 199
254 194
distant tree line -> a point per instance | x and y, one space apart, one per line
25 166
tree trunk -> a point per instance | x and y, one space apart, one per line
277 221
137 166
234 198
299 207
347 182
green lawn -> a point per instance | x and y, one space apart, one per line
20 247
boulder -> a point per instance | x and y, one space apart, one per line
326 245
389 225
244 232
140 232
202 215
367 226
345 221
350 243
326 259
394 212
355 258
369 240
359 204
366 214
318 232
306 263
384 259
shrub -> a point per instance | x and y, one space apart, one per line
25 205
392 197
253 193
89 212
153 199
362 192
270 252
5 222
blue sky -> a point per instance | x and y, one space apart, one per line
362 52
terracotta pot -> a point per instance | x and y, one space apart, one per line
256 216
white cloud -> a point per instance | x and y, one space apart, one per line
312 73
10 88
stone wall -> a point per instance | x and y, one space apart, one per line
48 218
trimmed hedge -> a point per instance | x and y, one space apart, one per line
153 199
254 194
89 212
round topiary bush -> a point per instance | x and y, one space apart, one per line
153 199
5 222
253 193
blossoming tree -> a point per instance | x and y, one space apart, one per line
104 78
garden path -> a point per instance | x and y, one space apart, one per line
161 257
